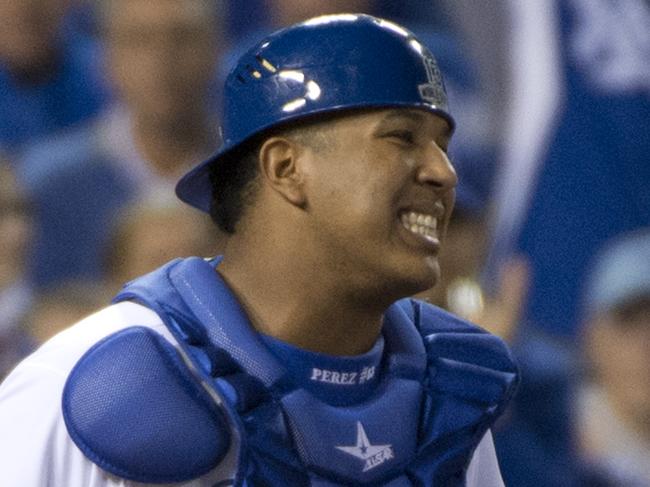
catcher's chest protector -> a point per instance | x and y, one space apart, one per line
441 385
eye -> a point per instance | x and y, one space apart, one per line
405 137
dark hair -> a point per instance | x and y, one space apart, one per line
233 183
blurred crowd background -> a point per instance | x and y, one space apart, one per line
104 104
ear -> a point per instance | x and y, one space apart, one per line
280 165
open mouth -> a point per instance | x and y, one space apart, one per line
421 224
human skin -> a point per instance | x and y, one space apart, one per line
161 55
618 345
161 58
15 228
287 12
28 31
323 251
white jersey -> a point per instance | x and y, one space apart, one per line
36 449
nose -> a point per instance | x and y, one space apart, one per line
437 170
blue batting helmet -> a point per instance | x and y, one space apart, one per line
326 64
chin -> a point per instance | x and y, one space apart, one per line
421 278
424 286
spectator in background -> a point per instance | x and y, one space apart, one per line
55 309
162 59
614 409
250 25
575 158
152 232
573 173
249 16
253 18
15 292
286 12
50 75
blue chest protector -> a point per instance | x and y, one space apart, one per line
141 410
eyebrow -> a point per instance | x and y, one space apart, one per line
414 116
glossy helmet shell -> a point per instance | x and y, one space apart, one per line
326 64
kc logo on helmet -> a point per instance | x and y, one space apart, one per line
433 91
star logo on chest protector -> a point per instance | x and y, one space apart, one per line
371 455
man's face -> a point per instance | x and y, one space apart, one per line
146 242
28 29
162 54
15 229
620 346
380 198
288 12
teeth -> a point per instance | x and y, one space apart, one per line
420 224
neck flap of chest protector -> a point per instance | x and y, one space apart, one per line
401 435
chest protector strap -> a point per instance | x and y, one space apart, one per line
442 384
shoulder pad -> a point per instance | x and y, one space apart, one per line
459 350
134 409
432 319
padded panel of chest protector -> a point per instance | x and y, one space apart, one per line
134 409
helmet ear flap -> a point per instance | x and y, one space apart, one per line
325 65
